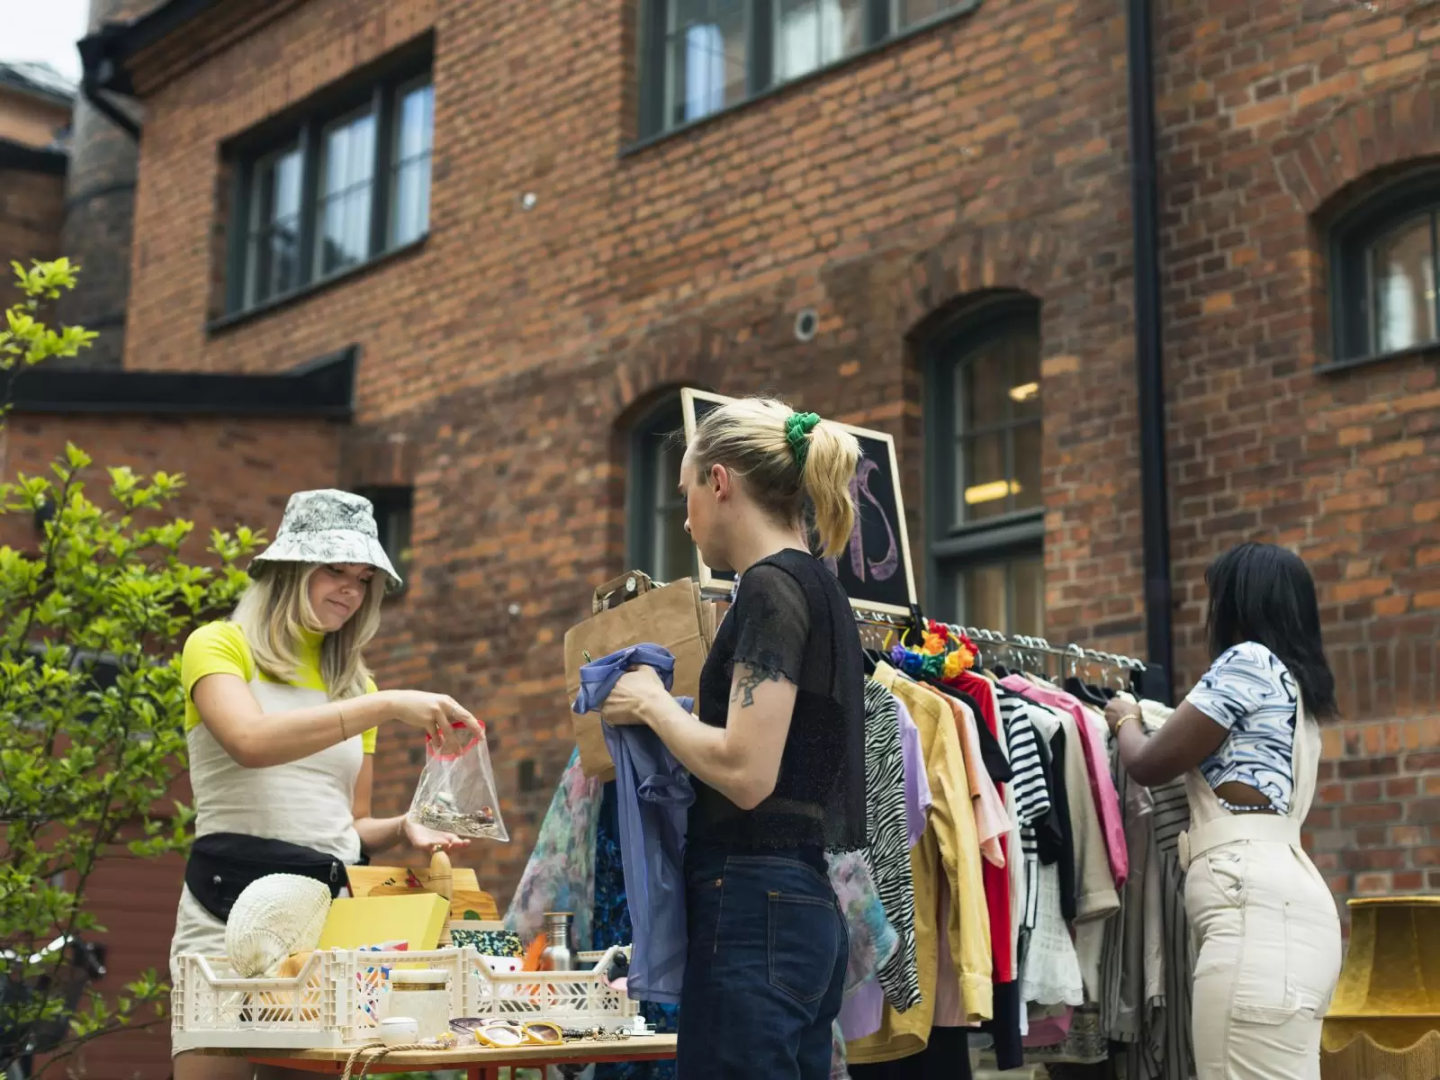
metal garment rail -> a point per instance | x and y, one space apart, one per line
1036 646
1019 643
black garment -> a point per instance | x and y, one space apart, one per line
1049 840
945 1057
223 865
997 765
1004 1028
1060 802
791 619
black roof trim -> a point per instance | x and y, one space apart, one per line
18 155
323 388
104 52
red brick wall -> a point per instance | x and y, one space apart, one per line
990 152
1273 114
237 471
32 210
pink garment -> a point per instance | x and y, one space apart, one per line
991 820
949 1009
1048 1030
1097 764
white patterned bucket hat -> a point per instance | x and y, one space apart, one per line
329 526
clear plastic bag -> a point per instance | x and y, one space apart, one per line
456 793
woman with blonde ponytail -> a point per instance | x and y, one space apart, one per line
776 752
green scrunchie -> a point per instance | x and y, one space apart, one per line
798 427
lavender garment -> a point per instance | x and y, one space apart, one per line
861 1014
917 785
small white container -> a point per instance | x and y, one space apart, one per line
423 996
399 1031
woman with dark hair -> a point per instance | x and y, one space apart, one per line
1247 741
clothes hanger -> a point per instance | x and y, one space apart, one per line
1077 688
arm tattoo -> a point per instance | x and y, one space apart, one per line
749 681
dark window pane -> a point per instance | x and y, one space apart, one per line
671 543
272 250
985 387
706 45
1024 390
659 544
1402 266
1008 596
347 181
982 597
1028 596
812 33
410 182
1026 455
984 487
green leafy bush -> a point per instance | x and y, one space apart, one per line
91 737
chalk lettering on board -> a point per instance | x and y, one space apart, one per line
883 569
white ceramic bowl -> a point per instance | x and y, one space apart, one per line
398 1031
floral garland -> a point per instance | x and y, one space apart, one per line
941 654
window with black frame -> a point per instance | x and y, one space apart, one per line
702 56
657 541
394 513
1385 273
345 182
985 511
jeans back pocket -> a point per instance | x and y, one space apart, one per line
804 945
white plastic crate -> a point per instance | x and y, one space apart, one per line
339 996
570 998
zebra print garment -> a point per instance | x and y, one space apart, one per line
889 851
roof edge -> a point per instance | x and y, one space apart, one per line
323 388
25 158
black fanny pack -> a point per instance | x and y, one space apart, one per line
223 865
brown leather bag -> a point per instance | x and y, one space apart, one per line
631 610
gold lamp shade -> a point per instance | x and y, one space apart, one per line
1384 1022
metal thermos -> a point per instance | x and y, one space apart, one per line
559 954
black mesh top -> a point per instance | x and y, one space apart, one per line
791 618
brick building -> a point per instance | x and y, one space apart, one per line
534 222
35 110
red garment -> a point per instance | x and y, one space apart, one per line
996 878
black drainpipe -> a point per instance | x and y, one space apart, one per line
1144 208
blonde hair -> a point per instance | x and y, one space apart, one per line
749 438
276 607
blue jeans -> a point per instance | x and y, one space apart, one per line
765 968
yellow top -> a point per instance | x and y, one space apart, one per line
220 648
948 856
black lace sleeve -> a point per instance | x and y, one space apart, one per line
772 621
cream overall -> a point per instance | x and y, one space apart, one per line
307 802
1265 930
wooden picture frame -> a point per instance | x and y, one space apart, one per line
869 583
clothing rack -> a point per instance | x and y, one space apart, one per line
1016 643
1038 646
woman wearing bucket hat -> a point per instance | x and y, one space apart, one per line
281 717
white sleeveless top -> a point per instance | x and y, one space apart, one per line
307 802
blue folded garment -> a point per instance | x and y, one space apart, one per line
653 792
599 677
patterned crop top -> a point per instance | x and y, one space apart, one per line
1249 692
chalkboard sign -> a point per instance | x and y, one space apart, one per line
875 568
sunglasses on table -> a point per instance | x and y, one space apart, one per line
499 1033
